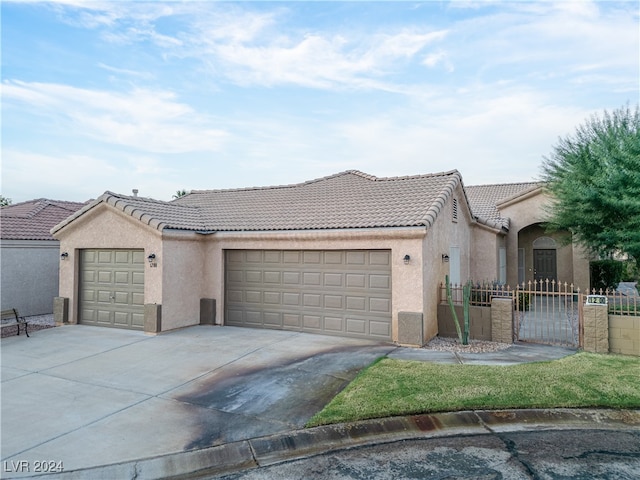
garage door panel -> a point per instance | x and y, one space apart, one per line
357 303
312 257
253 256
121 298
89 276
356 326
379 305
235 256
137 299
311 321
121 277
333 301
312 278
105 257
333 324
338 292
104 296
356 258
379 329
252 296
291 299
272 298
111 290
105 276
137 257
273 319
311 300
104 317
121 319
380 281
253 276
292 320
234 296
356 280
333 280
122 256
379 258
137 320
272 277
253 317
291 256
333 258
291 278
272 256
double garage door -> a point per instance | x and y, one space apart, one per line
112 288
338 292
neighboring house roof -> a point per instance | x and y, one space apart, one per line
33 220
485 198
350 199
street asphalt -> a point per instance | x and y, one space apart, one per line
87 402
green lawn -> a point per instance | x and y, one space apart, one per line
391 387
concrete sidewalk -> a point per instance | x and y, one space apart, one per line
108 403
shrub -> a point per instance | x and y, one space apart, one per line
606 274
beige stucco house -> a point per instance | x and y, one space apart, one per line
349 254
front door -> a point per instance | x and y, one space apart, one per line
544 264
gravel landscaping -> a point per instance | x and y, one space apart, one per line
447 344
36 322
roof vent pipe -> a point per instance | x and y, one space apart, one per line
135 192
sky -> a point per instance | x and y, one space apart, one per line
163 96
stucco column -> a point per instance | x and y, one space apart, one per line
502 320
596 329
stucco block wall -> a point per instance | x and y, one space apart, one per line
624 335
479 322
29 275
596 329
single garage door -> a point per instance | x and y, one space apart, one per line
112 288
338 292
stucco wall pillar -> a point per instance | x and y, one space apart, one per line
596 329
502 320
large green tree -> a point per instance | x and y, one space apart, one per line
594 177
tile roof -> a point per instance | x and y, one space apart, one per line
485 198
33 220
350 199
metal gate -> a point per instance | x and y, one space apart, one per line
548 312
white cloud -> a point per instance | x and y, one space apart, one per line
147 120
498 138
318 60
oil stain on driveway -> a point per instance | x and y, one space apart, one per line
245 400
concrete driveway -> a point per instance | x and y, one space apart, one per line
81 396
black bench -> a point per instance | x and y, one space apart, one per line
12 314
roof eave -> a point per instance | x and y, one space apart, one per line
116 202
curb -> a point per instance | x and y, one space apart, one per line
272 449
